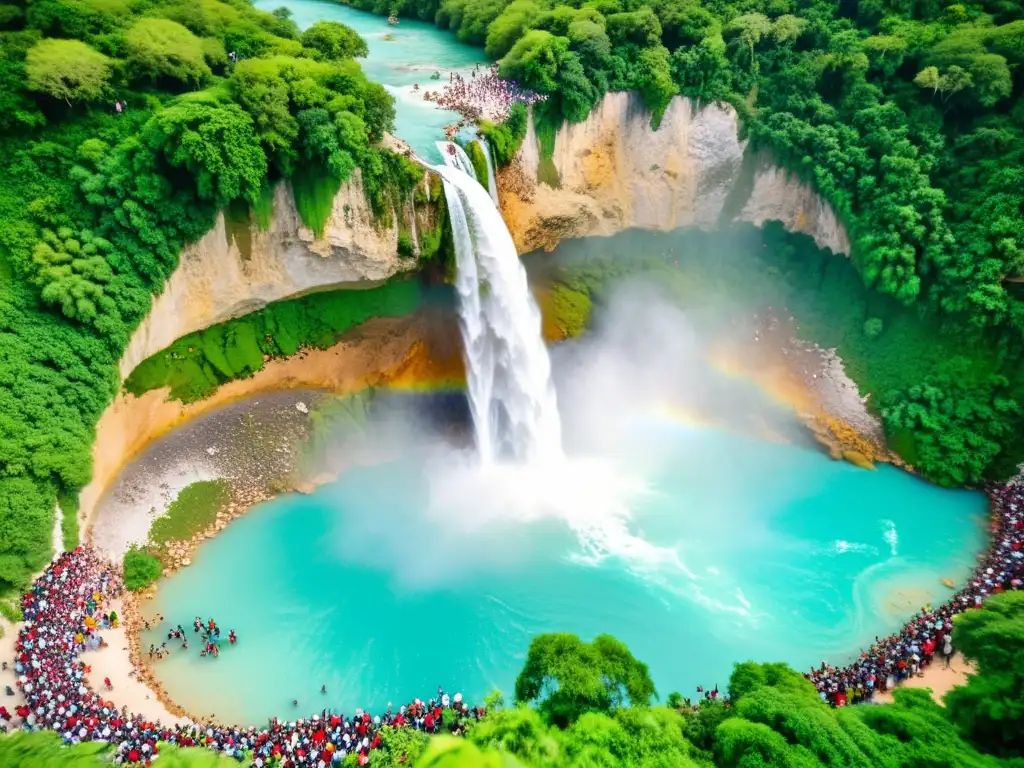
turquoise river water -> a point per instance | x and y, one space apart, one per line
782 554
400 57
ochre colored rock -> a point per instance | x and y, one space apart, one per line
616 173
858 459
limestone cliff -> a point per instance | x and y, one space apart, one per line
219 277
615 173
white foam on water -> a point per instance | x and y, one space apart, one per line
841 546
891 536
521 476
455 156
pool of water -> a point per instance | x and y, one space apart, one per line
399 57
733 548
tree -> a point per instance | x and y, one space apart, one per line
989 710
543 62
749 29
334 41
952 82
216 144
158 48
567 677
510 26
68 70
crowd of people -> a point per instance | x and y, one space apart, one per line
64 616
484 94
893 659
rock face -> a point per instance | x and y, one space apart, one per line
230 273
615 173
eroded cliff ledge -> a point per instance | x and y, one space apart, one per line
616 173
219 277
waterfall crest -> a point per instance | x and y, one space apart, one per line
455 157
508 370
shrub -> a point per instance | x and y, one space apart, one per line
162 48
140 569
68 70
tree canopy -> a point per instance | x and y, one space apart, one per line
567 677
67 69
124 128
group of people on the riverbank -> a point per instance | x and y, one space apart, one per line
484 94
64 615
899 656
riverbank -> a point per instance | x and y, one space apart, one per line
419 351
133 685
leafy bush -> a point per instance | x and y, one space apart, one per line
333 41
873 327
68 70
158 48
140 569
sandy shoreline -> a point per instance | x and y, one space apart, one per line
129 689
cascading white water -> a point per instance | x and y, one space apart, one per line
492 182
456 157
508 370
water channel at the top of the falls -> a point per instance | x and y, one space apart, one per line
401 57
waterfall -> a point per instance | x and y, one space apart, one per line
456 157
492 182
508 371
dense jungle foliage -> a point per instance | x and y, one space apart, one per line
125 125
591 705
906 116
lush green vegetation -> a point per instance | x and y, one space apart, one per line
193 510
140 568
476 156
195 365
907 117
506 138
123 129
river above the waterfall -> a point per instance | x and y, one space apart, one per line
400 57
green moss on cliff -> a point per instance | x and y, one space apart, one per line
195 365
506 138
314 191
476 156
